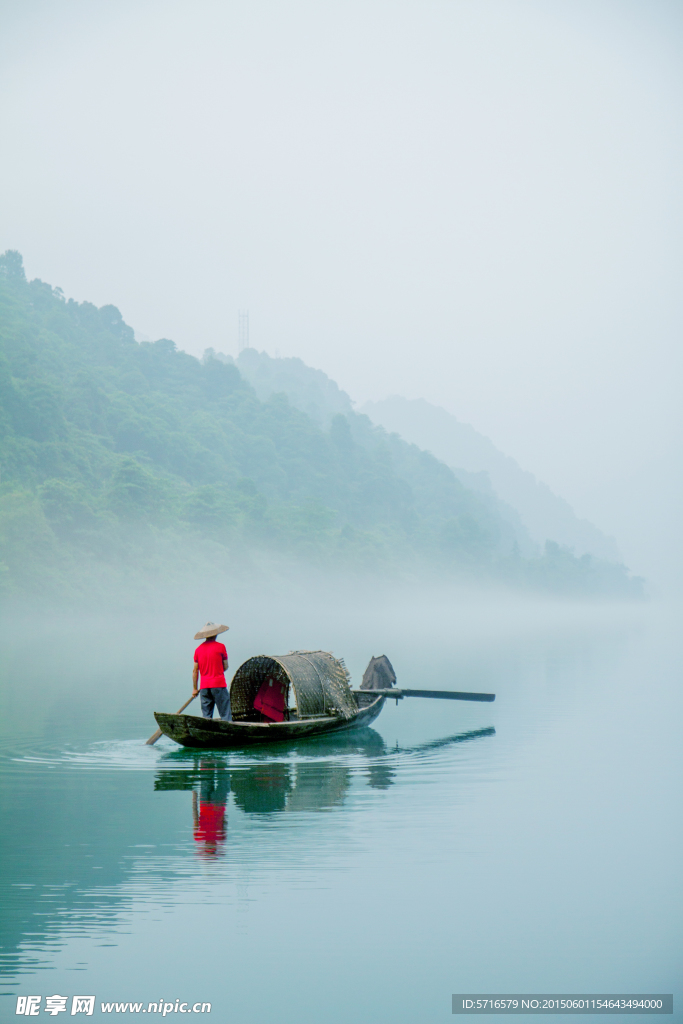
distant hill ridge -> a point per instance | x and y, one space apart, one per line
474 459
460 446
309 390
316 394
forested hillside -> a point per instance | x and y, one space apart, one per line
126 460
311 391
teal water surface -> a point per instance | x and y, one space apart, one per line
531 845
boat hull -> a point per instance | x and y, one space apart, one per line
212 733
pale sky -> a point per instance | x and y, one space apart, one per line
476 202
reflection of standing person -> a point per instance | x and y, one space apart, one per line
210 662
208 812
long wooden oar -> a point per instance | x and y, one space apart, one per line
157 735
438 694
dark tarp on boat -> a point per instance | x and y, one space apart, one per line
319 681
379 675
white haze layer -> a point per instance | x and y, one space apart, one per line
476 203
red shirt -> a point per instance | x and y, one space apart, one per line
209 656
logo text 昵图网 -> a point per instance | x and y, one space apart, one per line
31 1006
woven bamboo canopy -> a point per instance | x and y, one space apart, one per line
319 682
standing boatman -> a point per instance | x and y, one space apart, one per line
211 661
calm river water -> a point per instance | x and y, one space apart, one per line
531 845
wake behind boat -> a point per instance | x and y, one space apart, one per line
294 696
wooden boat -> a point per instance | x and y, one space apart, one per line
323 702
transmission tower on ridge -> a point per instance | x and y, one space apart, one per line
243 331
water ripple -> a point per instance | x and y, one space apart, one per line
365 748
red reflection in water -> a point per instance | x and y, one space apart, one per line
208 813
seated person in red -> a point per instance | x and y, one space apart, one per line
211 661
271 700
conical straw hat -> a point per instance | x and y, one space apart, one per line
210 629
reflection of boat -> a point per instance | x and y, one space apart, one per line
312 785
259 789
323 702
316 784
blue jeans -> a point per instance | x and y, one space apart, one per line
216 696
